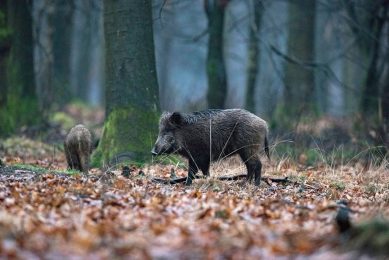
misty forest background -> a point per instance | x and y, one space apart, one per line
317 71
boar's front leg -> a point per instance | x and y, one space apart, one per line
204 167
257 172
191 172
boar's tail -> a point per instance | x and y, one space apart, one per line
267 147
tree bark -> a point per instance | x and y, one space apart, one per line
63 13
299 81
217 82
371 92
4 52
371 30
385 113
131 82
43 54
20 104
20 21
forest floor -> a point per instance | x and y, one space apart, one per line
49 212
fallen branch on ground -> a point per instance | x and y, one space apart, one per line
221 178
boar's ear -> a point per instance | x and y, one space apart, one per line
176 119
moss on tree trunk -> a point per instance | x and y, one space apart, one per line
127 130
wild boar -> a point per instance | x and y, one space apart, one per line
206 136
78 147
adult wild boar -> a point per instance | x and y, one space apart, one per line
78 147
210 135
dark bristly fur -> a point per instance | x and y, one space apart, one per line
233 131
78 147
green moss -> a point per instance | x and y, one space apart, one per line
338 185
40 170
5 32
71 172
172 159
19 111
127 130
30 167
371 188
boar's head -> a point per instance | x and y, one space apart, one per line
167 142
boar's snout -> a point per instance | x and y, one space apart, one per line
164 145
154 151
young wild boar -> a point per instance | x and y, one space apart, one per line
210 135
78 147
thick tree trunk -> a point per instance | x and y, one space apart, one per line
378 58
253 56
20 105
299 80
371 30
217 83
22 73
131 82
4 52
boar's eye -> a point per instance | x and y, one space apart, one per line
169 139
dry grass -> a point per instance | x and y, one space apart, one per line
358 183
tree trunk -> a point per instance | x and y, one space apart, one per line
4 52
22 73
63 13
385 113
299 80
371 30
20 105
131 82
217 83
253 56
43 54
371 91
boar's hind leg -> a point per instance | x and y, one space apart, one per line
191 172
254 167
84 164
72 159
